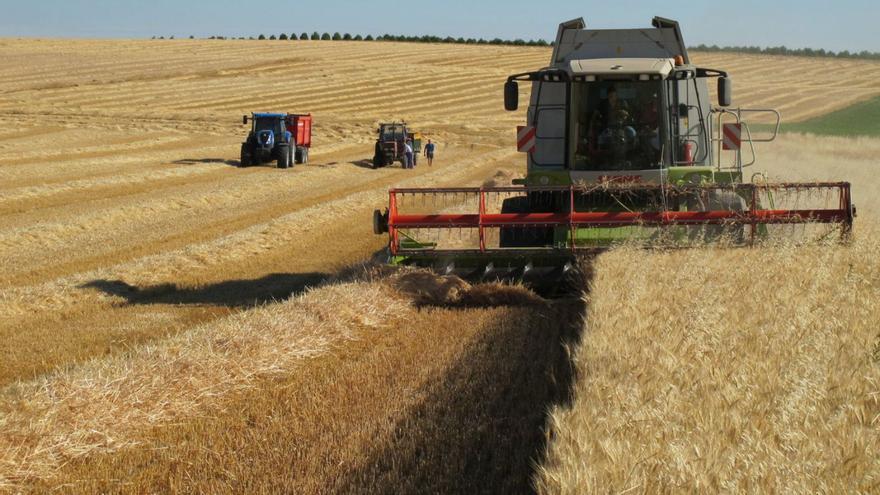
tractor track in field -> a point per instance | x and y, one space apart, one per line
203 294
152 178
235 218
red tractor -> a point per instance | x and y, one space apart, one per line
390 144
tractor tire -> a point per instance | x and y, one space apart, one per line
245 160
523 236
283 156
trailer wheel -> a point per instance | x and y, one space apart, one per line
245 160
283 156
302 155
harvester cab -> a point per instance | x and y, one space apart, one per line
390 143
623 144
283 137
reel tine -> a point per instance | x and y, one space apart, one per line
449 268
488 269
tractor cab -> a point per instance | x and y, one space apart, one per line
269 122
270 128
392 132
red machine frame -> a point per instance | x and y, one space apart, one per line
572 219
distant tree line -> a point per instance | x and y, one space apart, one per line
783 50
770 50
385 37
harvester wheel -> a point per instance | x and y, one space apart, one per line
522 236
283 156
380 222
245 160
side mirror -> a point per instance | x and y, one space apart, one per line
511 96
244 120
725 91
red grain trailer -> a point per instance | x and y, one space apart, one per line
300 128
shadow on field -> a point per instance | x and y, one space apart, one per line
196 161
231 293
365 163
481 427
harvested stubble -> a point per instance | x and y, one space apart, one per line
306 238
726 370
352 376
100 407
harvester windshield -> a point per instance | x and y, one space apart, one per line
616 125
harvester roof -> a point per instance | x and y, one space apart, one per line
575 42
622 66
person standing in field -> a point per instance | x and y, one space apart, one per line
429 152
408 154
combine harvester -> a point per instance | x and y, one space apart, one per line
284 137
623 145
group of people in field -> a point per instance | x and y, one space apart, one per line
409 158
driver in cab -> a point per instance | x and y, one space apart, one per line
610 112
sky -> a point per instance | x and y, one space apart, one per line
841 25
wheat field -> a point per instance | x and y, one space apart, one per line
713 370
172 323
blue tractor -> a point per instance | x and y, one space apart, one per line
268 140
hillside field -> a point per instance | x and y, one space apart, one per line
170 322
